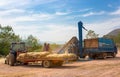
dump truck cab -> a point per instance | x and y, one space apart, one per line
15 49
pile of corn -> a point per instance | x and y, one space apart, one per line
46 55
68 56
32 55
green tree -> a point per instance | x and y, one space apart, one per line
91 34
116 39
55 46
7 36
32 43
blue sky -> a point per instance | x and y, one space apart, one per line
56 20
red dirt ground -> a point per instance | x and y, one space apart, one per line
109 67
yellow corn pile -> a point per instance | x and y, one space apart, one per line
33 55
46 55
62 56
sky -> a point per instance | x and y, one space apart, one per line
57 20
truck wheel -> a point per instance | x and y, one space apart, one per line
114 55
59 63
90 56
94 57
104 55
46 63
11 60
5 61
83 56
25 63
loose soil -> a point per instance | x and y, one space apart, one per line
109 67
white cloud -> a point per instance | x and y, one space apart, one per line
13 16
93 13
22 3
117 12
33 17
61 13
71 11
103 27
57 33
84 10
52 32
88 14
21 15
11 12
13 3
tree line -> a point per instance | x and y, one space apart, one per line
7 36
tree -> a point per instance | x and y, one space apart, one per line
7 36
115 38
55 46
32 43
91 34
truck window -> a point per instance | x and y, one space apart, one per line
106 43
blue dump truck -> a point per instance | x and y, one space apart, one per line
100 48
96 47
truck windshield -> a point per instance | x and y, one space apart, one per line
18 47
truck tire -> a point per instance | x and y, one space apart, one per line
113 54
5 61
11 59
60 63
91 56
83 56
25 63
46 63
94 57
104 55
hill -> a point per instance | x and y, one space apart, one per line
113 33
